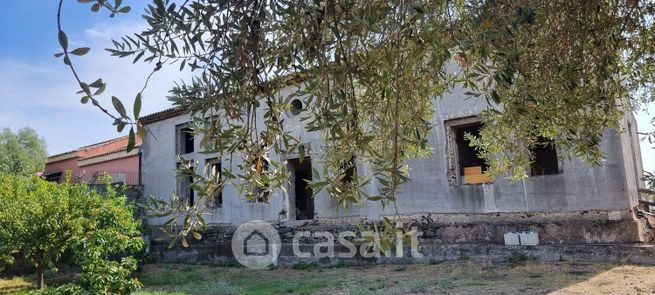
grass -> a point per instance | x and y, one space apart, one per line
205 279
521 274
277 286
15 284
301 265
171 277
433 261
339 264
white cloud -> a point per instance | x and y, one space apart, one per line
41 93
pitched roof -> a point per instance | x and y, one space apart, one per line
113 155
273 85
62 156
95 150
161 115
105 147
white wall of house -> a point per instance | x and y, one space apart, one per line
612 186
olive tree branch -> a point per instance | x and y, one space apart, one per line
63 41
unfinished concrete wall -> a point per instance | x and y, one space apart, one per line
631 152
160 159
579 187
159 177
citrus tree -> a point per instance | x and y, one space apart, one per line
40 221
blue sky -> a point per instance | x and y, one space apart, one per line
37 90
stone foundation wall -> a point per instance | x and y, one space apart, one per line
575 235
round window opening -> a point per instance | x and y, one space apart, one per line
296 106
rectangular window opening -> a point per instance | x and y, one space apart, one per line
190 191
471 166
185 190
185 140
214 170
261 193
545 160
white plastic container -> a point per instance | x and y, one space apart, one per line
529 238
512 239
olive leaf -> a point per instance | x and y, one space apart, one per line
131 140
118 105
137 105
81 51
63 40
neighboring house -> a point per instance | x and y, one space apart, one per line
89 163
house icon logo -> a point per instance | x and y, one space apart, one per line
256 244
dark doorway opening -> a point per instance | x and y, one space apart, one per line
304 201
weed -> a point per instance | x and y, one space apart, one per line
301 265
519 258
223 263
339 264
359 290
419 287
445 284
433 261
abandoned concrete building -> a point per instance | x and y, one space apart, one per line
564 200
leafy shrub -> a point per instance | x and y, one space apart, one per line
43 220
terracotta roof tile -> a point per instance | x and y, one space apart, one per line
106 147
161 115
97 149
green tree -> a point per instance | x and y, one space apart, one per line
37 221
22 153
370 70
41 221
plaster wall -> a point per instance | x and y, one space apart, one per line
61 166
610 187
125 168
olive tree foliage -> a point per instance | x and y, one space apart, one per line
43 221
23 152
369 72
